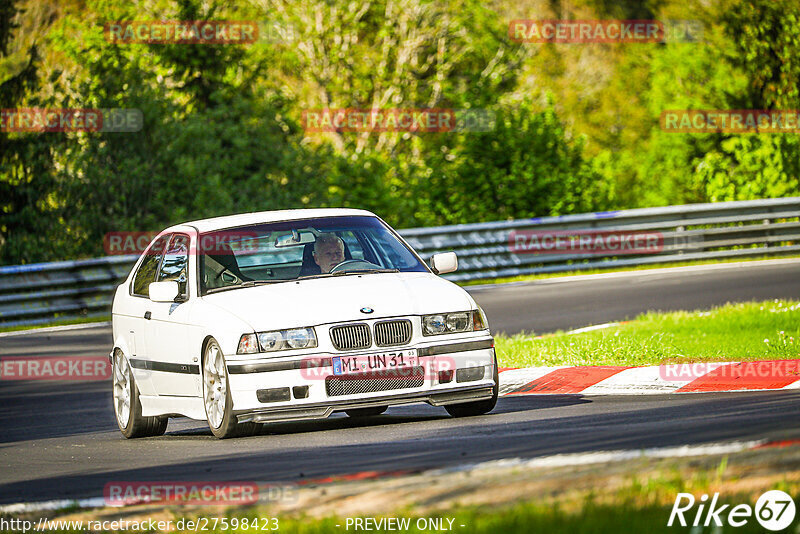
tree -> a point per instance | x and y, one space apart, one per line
211 143
524 167
766 48
26 182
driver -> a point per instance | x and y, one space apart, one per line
328 252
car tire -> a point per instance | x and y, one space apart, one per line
468 409
366 412
217 396
127 407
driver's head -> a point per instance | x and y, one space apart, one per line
328 252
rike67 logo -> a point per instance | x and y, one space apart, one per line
774 510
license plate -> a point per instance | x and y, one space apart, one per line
374 362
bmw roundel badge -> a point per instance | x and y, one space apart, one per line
367 310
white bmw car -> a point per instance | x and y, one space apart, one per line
288 315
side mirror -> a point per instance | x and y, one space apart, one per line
443 263
164 291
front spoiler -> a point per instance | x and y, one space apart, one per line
324 409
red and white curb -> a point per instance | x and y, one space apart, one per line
667 378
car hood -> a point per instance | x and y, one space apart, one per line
330 300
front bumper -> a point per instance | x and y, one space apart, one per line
323 410
246 379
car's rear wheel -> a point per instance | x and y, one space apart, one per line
217 396
469 409
127 408
366 412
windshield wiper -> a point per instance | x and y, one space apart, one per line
253 283
365 271
312 276
343 273
247 283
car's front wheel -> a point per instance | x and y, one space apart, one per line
469 409
127 407
217 396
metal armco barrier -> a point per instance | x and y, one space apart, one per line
40 293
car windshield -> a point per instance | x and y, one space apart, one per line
308 248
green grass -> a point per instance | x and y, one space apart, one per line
641 504
545 276
746 331
639 500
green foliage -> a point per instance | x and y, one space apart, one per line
26 181
210 144
524 167
750 166
766 47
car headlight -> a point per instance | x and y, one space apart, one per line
434 324
458 322
270 341
296 338
451 323
301 338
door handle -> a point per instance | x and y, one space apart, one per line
147 315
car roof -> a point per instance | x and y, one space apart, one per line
245 219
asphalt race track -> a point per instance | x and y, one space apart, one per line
59 439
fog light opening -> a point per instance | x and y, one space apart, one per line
300 392
470 374
273 395
445 377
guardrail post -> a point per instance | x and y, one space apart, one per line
767 233
680 241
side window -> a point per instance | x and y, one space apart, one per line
176 260
147 270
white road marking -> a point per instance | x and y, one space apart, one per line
593 328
